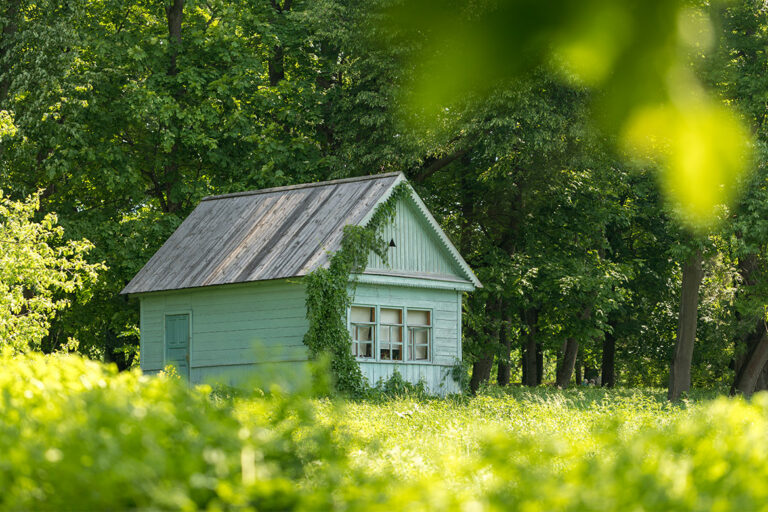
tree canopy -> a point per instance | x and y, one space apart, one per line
594 162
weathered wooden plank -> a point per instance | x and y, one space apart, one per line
242 356
359 208
289 375
254 335
437 379
236 322
231 241
231 317
417 248
266 234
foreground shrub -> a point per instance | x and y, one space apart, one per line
76 435
715 458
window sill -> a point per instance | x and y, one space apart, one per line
389 361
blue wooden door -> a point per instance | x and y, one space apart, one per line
177 343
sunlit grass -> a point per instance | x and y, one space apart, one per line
79 435
440 439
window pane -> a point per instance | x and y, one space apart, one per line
391 316
384 333
363 333
420 336
358 314
366 350
397 353
396 334
420 353
418 317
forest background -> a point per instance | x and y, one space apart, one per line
117 117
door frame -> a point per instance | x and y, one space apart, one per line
189 344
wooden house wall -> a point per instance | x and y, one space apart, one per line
417 248
235 328
446 334
255 331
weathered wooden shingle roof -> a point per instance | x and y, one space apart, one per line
265 234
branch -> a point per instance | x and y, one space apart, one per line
439 164
281 8
122 23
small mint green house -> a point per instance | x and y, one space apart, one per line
223 298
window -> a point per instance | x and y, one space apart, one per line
419 334
391 335
363 331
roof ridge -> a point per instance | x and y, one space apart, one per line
302 185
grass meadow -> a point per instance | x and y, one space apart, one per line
78 435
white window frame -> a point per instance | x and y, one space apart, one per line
407 356
429 328
374 331
403 331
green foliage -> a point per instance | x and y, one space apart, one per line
7 128
534 191
702 461
582 449
396 387
634 54
328 293
79 435
39 273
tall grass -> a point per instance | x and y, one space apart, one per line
76 435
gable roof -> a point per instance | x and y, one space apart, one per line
266 234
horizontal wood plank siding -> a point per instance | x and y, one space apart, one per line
437 378
240 330
290 375
233 327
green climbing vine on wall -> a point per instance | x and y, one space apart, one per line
328 293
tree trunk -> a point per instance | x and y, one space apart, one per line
481 369
745 347
539 364
565 371
570 354
530 370
608 368
580 371
481 372
762 380
680 369
276 64
750 373
506 346
523 366
6 35
175 14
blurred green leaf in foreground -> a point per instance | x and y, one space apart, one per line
636 56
